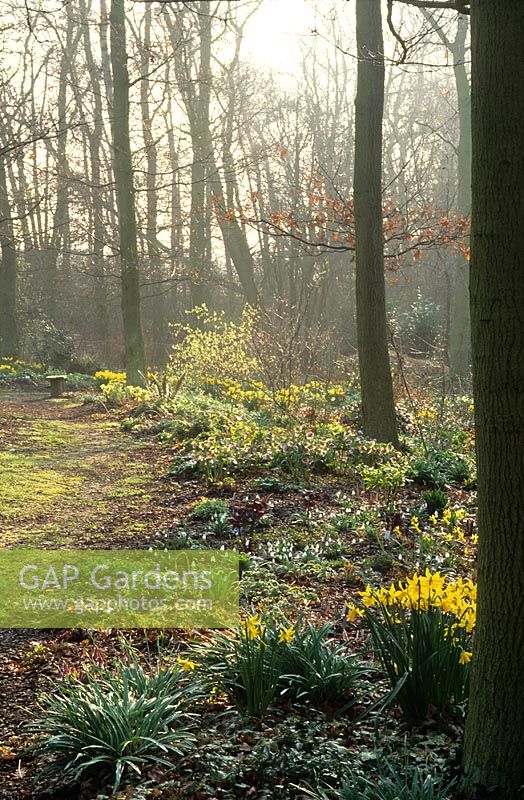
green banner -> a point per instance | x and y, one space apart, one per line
118 589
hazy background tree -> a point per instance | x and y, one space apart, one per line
378 406
135 359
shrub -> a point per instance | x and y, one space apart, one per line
205 510
319 670
78 381
213 350
439 468
115 720
420 327
49 344
422 635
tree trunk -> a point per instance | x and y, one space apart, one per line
157 297
494 745
378 406
60 234
125 201
95 134
9 333
460 329
201 141
205 174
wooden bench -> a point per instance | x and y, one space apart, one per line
56 384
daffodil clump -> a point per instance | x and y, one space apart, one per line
7 369
252 395
247 668
117 393
13 367
266 663
422 629
108 376
255 394
424 592
254 628
445 537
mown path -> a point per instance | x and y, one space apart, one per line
70 477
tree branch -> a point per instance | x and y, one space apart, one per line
462 6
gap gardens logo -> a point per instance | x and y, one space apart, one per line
118 589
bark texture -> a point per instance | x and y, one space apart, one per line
494 745
378 406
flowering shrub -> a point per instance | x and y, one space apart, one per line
213 350
421 632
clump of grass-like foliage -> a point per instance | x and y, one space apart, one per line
113 720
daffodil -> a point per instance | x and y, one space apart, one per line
186 664
253 627
415 524
446 516
286 635
465 657
353 613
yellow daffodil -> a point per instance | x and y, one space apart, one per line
353 613
446 516
253 627
423 592
415 524
186 664
286 635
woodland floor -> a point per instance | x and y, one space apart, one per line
72 477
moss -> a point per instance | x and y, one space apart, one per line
61 480
28 482
45 433
130 486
